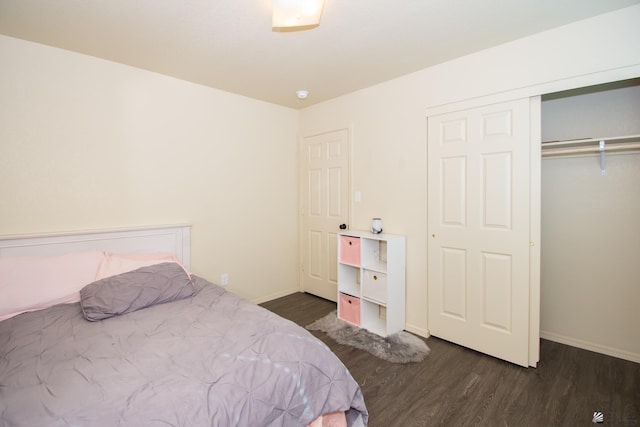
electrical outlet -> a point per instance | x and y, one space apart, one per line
224 279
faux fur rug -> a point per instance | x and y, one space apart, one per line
401 347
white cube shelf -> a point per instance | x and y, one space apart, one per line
376 276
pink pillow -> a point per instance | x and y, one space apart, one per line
114 264
32 283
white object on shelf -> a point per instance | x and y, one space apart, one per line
376 280
376 225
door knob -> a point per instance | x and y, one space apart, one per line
343 226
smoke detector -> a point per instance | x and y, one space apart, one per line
302 94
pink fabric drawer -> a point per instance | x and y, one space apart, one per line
350 250
349 309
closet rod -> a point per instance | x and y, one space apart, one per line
582 142
591 149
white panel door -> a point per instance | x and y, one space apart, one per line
479 206
325 206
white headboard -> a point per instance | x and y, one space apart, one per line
175 239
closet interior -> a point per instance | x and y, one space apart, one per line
590 253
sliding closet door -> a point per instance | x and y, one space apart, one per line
479 228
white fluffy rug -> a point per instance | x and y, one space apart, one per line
401 347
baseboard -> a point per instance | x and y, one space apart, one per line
424 333
586 345
275 296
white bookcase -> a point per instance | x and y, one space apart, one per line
371 280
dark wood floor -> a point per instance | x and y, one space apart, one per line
456 386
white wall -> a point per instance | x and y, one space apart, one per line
87 143
389 123
590 275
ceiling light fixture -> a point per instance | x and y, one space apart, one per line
293 15
302 94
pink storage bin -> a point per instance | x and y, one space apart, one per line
350 250
349 309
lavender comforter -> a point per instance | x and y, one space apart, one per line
209 360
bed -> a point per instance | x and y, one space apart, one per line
111 329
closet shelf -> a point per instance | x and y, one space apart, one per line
591 145
604 145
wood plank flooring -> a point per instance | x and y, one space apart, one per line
456 386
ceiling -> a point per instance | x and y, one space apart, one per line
229 44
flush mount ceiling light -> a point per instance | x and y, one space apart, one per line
302 94
294 15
